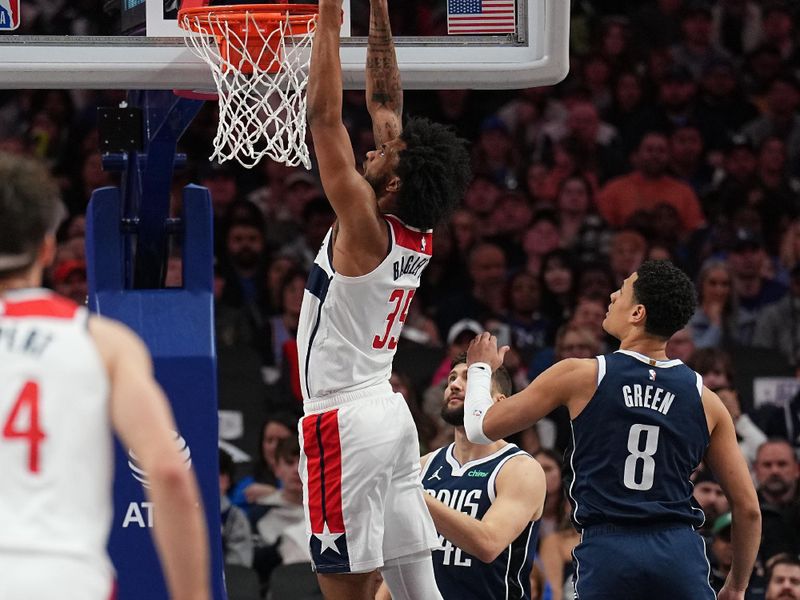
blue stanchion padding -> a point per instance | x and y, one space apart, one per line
177 326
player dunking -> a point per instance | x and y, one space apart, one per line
67 379
360 463
640 425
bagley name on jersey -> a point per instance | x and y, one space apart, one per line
409 265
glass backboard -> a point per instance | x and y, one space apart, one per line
136 44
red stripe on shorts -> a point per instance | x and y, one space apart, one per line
311 449
333 471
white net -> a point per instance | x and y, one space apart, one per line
261 113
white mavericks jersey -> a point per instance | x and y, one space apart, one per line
349 326
56 453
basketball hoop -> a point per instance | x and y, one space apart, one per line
259 56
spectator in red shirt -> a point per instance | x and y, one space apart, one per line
648 186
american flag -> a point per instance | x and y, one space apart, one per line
481 16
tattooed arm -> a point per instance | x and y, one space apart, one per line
384 90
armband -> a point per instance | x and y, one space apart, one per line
477 401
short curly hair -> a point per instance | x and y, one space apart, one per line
434 170
668 296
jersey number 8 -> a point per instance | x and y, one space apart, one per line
645 455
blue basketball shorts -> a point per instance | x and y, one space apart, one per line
656 562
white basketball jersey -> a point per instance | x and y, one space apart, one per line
349 326
56 453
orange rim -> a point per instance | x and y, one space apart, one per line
232 27
263 14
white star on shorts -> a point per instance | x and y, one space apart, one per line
328 539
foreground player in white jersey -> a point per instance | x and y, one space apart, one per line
67 379
364 505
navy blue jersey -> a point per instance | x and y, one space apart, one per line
636 443
471 489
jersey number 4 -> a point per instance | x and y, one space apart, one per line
22 423
401 300
637 454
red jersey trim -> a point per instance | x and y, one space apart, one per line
411 238
53 307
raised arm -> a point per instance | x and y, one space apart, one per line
362 236
570 382
325 71
729 467
384 90
142 418
520 498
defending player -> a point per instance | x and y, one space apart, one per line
485 502
67 379
640 425
360 464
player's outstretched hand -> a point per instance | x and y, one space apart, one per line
484 349
727 593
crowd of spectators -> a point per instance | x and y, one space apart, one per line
675 136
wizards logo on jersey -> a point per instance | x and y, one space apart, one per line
9 15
